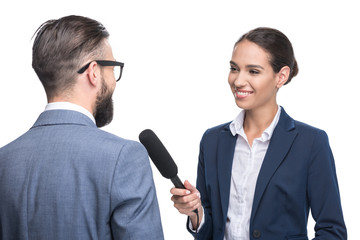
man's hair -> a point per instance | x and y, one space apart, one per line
61 46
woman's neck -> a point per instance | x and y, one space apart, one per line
256 121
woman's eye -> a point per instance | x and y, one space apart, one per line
233 69
253 71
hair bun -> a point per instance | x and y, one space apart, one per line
294 72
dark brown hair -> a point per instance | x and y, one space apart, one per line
277 45
61 46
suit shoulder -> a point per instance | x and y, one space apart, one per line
306 128
218 128
311 134
112 141
108 136
214 131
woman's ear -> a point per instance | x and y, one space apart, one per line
283 76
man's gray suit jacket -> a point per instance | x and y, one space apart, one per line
67 179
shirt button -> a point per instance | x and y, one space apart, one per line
256 234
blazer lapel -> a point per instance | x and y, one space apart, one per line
280 143
225 155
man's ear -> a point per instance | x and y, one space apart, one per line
283 76
93 73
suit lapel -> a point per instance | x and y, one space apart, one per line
280 143
225 154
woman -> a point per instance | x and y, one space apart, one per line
259 175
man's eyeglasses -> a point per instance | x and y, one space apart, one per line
118 67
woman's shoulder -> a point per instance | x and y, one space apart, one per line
307 128
218 128
211 136
289 123
307 131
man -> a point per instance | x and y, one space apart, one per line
65 178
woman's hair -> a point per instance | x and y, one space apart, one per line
61 46
277 45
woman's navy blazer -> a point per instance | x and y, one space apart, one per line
297 174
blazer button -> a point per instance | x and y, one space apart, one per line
256 234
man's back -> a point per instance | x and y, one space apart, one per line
66 179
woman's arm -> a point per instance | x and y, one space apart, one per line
323 192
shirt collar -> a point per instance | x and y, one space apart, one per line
69 106
236 126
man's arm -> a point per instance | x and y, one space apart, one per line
134 205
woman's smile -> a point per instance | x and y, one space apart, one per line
242 94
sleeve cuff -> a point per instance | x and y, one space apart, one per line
201 224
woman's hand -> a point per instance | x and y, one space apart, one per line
186 201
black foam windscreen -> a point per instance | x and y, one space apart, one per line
158 154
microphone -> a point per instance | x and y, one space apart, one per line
160 157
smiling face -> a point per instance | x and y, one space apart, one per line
252 79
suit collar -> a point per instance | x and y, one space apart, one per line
63 117
69 106
285 121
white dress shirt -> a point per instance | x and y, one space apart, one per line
245 170
247 162
69 106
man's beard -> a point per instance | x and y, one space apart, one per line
104 108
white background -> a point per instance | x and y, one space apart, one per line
176 56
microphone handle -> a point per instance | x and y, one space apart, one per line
178 184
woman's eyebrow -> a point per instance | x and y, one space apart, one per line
247 66
254 66
233 63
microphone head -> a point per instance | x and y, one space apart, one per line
158 154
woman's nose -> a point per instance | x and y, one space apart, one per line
240 79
